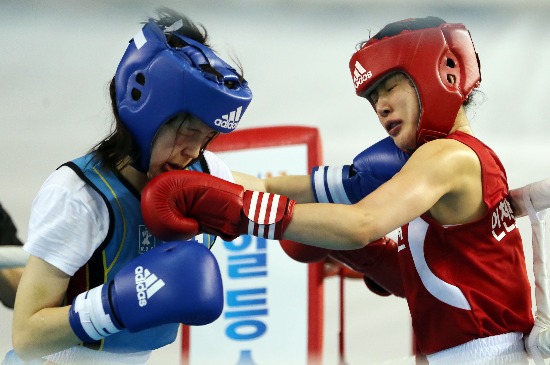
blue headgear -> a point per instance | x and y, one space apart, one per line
155 82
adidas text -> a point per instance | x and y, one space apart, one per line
147 284
360 75
231 120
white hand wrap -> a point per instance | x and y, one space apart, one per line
539 193
535 196
537 343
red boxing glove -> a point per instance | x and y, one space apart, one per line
303 253
181 204
379 263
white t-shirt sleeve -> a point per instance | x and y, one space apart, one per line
69 220
217 167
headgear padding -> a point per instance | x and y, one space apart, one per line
155 82
438 57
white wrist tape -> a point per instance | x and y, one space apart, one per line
543 342
538 341
539 193
88 314
327 184
266 213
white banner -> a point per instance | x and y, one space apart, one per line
265 317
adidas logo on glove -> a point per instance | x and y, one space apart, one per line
231 120
147 284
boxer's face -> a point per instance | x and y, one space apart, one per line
177 143
396 104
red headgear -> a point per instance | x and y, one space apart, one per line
438 57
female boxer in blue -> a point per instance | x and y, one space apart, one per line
98 287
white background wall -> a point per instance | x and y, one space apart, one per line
56 58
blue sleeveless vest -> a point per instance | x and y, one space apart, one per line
127 238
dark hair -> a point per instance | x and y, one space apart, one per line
408 24
395 28
168 17
475 99
118 149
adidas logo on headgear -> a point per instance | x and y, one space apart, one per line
147 284
231 120
360 75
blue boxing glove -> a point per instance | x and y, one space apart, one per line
349 184
176 282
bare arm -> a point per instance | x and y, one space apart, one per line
297 187
40 325
442 177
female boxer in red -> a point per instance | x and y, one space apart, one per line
460 253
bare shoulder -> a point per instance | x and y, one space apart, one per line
443 166
454 170
39 272
446 155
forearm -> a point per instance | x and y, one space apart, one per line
46 332
344 227
40 324
296 187
535 194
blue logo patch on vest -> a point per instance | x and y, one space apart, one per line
147 241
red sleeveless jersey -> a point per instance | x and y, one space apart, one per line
467 281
